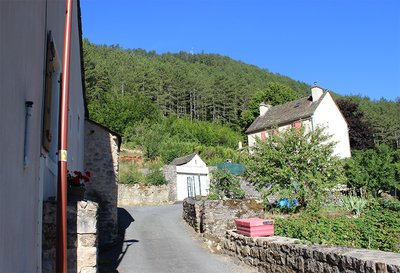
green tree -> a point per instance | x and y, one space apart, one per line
122 113
360 132
201 86
295 164
274 94
374 170
384 118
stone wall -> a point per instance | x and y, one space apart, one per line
279 254
192 211
170 175
81 237
213 218
101 159
134 195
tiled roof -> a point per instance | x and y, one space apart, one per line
285 113
182 160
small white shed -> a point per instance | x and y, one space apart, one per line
192 176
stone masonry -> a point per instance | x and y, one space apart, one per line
170 175
214 220
81 237
136 195
101 159
282 255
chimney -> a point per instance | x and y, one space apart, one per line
264 108
316 92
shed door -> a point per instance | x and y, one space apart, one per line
189 185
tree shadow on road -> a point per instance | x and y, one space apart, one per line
110 258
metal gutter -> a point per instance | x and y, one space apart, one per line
61 247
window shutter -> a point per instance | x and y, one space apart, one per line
263 136
296 124
50 59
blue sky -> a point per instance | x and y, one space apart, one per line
348 46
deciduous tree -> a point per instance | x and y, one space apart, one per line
295 164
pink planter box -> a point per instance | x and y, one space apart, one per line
255 227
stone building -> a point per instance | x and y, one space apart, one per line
101 158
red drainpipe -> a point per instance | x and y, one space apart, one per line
61 248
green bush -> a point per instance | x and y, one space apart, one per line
218 154
172 148
156 178
379 228
171 137
202 132
225 185
392 204
374 170
129 174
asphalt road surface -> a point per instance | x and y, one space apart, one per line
157 240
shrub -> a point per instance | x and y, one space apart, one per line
378 229
129 174
391 204
225 185
156 178
173 148
373 170
172 137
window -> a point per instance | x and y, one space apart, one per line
51 96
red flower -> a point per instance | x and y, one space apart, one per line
78 178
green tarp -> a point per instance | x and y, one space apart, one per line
233 168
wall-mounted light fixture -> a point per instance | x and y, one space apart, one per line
28 125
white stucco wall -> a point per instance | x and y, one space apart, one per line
23 29
21 79
328 115
252 138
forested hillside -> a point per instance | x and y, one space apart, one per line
130 89
198 86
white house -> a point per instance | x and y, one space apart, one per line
192 176
32 41
316 110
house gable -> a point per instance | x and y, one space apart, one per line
328 116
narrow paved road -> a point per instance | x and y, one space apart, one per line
158 241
